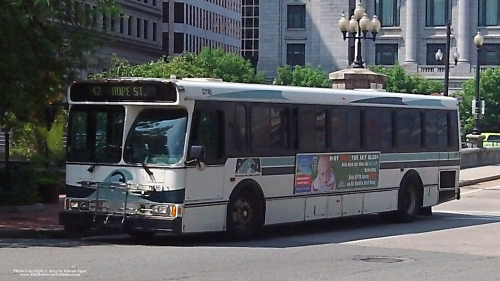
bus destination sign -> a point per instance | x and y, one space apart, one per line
123 91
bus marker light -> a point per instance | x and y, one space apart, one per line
66 205
174 211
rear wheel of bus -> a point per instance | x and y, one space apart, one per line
244 214
409 201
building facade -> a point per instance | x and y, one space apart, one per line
189 25
300 32
135 34
149 29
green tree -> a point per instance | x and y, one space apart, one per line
44 43
302 76
489 89
398 81
209 63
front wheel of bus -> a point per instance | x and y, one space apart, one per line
244 215
408 202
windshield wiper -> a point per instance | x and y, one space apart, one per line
91 168
146 168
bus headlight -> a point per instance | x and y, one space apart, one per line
73 204
161 210
166 210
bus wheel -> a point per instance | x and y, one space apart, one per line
408 202
244 215
141 235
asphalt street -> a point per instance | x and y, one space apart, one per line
459 242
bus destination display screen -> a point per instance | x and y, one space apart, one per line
123 91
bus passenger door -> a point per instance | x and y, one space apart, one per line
204 207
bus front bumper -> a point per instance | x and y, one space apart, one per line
143 223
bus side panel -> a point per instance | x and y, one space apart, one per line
204 218
376 202
285 210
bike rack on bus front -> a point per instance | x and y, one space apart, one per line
126 187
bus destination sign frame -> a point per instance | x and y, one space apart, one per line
123 92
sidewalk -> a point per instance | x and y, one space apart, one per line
38 224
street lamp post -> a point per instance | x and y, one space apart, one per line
439 56
359 23
478 41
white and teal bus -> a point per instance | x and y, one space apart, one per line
202 155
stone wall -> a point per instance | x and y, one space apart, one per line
476 157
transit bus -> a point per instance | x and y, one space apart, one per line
203 155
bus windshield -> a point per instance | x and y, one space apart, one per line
95 134
157 137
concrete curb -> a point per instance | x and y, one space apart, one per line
37 207
478 180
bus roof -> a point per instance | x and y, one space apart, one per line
213 89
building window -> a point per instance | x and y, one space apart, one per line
388 12
386 54
154 2
489 54
138 28
146 23
104 22
166 11
488 12
178 42
155 30
129 25
178 12
121 22
431 54
296 15
435 14
165 42
296 54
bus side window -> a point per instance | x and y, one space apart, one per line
208 132
386 130
239 129
431 133
338 129
372 129
354 129
453 127
442 129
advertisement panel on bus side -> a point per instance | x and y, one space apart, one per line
336 171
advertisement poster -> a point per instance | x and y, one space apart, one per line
335 171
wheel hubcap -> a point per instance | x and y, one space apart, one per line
242 213
410 202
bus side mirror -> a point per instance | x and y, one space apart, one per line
197 155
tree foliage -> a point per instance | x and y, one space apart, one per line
489 89
43 44
399 81
302 76
209 63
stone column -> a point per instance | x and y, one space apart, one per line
357 78
464 40
411 40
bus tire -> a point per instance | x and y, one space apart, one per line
409 201
244 215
